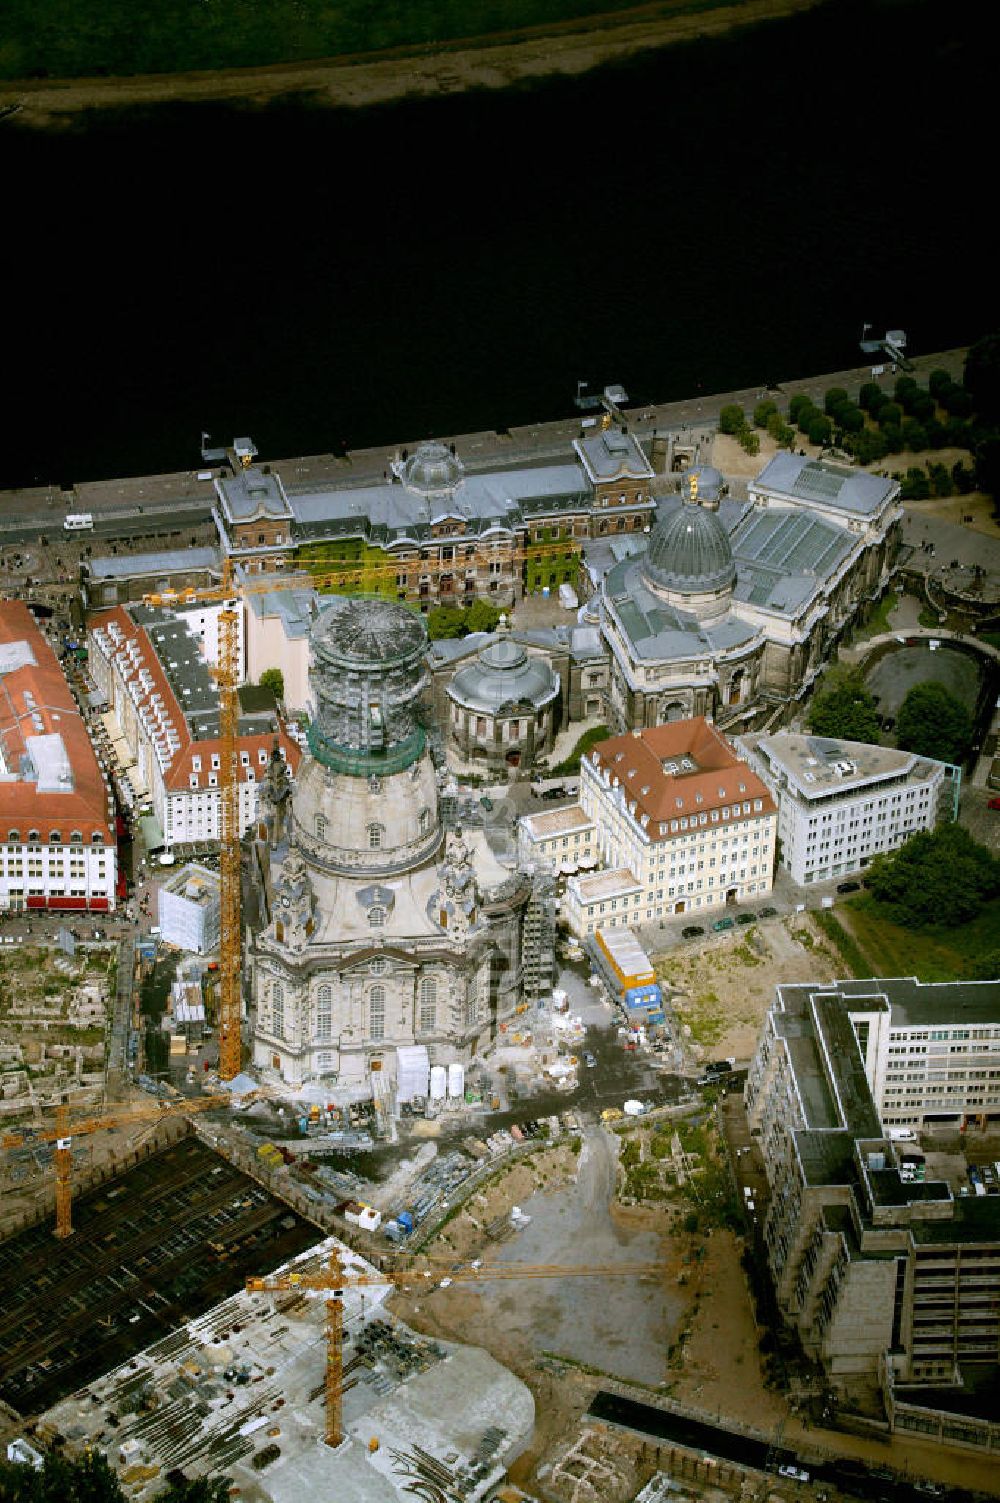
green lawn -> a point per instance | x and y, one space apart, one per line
886 949
69 38
587 740
878 622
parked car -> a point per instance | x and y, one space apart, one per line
746 918
768 913
589 1060
723 923
692 931
994 803
553 793
796 1473
848 886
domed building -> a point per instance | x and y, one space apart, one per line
384 930
504 705
734 604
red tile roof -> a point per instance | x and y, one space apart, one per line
715 779
36 700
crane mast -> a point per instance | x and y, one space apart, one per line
230 989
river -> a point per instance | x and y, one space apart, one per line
717 214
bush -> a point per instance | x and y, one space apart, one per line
732 419
763 411
749 441
941 480
964 477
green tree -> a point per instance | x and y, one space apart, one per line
732 419
273 679
445 621
906 391
763 411
835 397
933 723
868 446
938 381
938 877
481 616
915 485
987 967
964 478
799 402
942 482
820 429
749 441
956 401
60 1480
844 709
892 438
783 435
871 397
849 418
988 465
914 436
923 408
890 415
982 376
199 1490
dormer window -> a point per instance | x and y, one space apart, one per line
33 837
13 837
97 838
76 838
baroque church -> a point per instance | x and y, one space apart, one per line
385 929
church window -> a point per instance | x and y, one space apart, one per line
278 1008
428 1004
376 1012
376 917
374 784
375 833
378 967
320 827
324 1012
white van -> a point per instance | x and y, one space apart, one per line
78 521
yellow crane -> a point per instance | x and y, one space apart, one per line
344 578
66 1129
335 1278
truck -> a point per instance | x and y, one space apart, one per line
78 521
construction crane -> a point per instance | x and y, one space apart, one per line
335 1278
65 1130
345 578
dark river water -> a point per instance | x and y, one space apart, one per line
719 214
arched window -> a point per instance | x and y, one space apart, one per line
13 837
424 821
375 833
33 837
76 838
376 917
376 1012
428 1004
320 826
55 838
97 838
278 1008
324 1012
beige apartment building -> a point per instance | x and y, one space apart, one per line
682 826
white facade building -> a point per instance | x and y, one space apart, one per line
278 623
562 840
842 802
681 823
931 1052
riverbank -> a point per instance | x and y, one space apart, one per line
498 61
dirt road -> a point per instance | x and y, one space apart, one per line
491 63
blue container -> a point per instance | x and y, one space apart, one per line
405 1219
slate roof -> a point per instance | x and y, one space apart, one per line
803 479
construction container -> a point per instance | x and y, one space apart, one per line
626 958
405 1219
439 1083
456 1082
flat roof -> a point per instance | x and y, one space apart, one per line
819 765
556 822
610 884
916 1003
169 561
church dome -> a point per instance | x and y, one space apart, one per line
702 483
690 553
504 674
432 470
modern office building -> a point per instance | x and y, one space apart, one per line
681 825
57 821
889 1280
842 802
